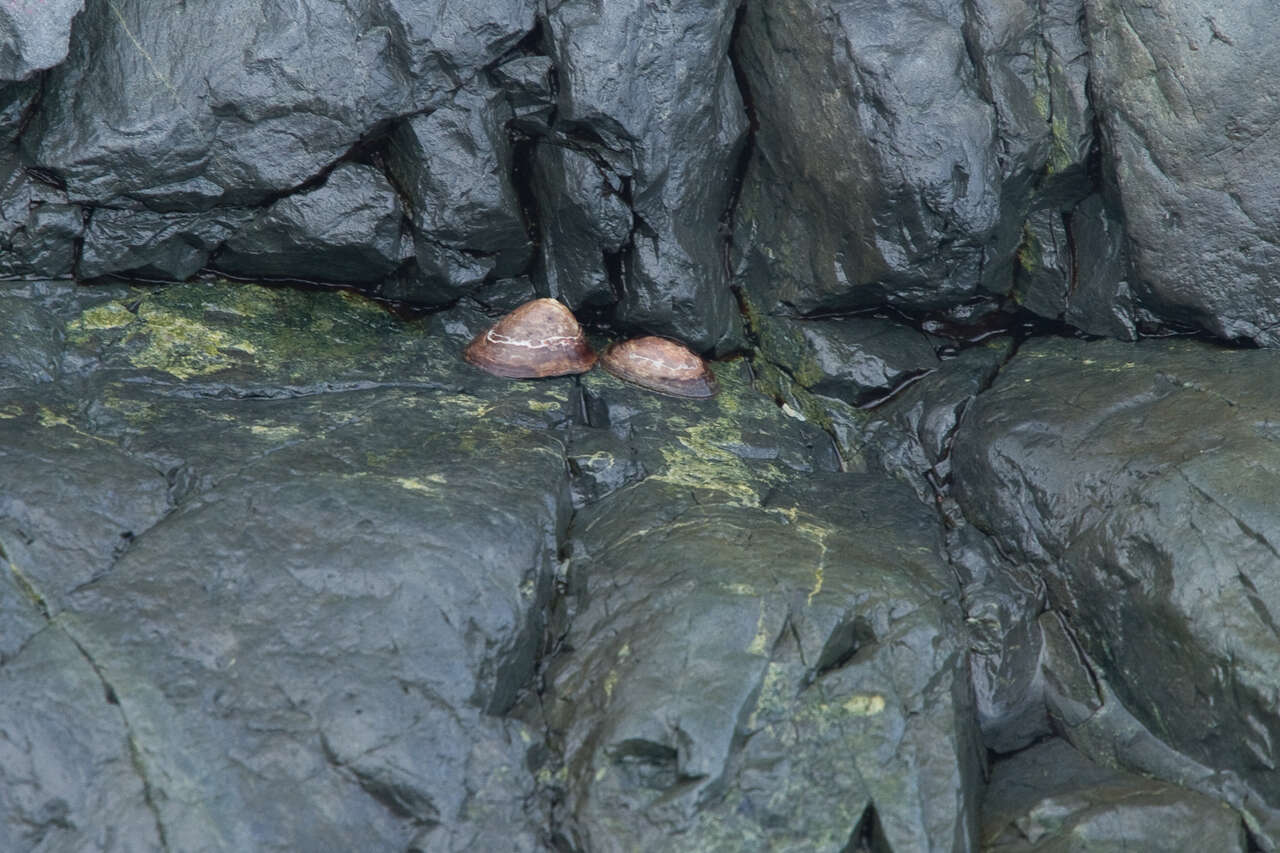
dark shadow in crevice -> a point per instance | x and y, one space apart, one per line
868 835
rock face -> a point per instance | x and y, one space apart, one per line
1139 483
1185 109
36 35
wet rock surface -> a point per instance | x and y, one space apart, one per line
1050 798
1137 481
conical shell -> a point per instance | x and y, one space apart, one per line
540 338
660 365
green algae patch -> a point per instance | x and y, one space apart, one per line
181 346
782 345
112 315
243 333
706 445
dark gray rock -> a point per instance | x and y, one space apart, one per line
16 101
1072 266
270 99
1186 103
527 82
155 245
784 674
38 229
346 230
584 225
907 203
1051 799
1138 480
1002 605
455 165
321 731
860 359
328 663
71 501
68 778
34 340
36 34
650 90
924 164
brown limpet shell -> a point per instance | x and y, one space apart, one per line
540 338
660 365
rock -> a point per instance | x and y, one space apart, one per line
455 165
35 340
926 166
736 677
731 674
306 721
346 230
860 359
374 610
272 98
16 102
633 97
1072 266
1051 798
71 502
1138 481
68 778
1002 605
36 36
155 245
38 229
585 224
828 84
1185 104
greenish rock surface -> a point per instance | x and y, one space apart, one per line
1139 481
322 578
778 675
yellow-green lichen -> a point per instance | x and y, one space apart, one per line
277 334
428 485
278 432
183 347
699 460
111 315
1029 253
864 704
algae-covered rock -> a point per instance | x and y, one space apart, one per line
260 665
776 675
296 569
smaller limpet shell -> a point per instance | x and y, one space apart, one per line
660 365
540 338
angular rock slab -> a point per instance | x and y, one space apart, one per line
762 677
650 91
886 154
331 594
347 230
36 35
1187 102
1141 482
1051 798
272 96
68 780
70 501
326 630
